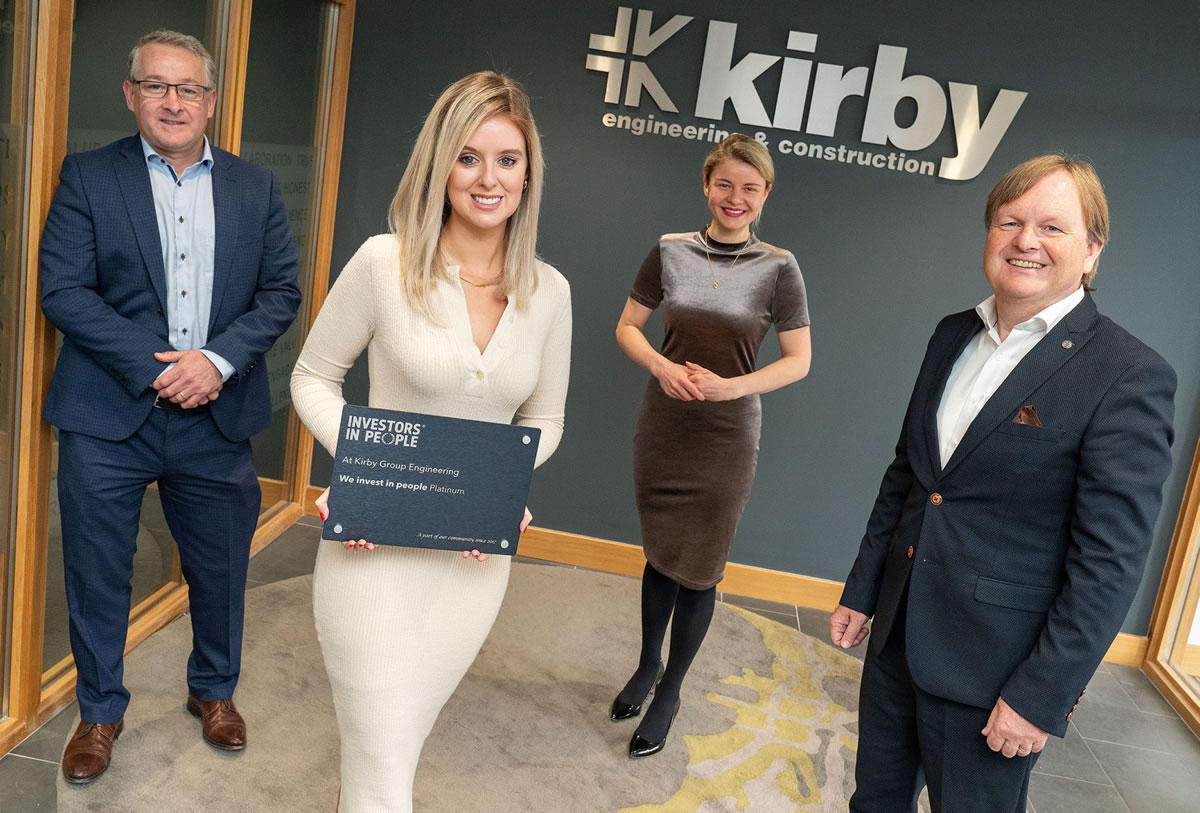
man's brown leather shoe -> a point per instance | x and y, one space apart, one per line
90 750
223 727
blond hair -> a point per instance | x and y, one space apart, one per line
165 36
1025 175
419 209
745 149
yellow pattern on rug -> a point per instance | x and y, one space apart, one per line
789 749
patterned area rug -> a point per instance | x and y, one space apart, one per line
767 722
790 747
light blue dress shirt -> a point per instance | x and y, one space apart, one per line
183 207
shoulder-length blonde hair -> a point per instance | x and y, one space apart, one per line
419 208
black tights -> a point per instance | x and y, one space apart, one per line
693 610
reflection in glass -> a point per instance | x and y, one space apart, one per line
104 31
280 126
16 37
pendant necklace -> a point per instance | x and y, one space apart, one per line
711 270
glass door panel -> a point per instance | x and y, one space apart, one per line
287 85
1183 655
1173 660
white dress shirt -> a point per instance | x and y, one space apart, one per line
984 364
183 206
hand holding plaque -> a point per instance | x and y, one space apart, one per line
426 481
322 503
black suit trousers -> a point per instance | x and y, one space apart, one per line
908 739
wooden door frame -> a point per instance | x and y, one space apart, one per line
1178 597
47 146
33 695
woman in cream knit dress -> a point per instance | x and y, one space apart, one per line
459 319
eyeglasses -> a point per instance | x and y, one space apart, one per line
153 89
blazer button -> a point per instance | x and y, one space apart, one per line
935 498
910 551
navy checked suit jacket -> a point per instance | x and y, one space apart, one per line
1023 554
104 286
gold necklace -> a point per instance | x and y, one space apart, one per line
738 256
495 281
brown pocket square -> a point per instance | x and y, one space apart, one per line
1028 416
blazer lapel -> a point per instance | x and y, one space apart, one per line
227 206
1053 351
134 181
962 331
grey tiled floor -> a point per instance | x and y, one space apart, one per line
1127 752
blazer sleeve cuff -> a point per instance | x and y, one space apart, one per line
1050 714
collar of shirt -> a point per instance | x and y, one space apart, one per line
206 158
1041 322
985 363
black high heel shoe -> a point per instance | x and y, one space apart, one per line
640 747
623 711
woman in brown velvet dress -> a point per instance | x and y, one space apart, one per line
696 445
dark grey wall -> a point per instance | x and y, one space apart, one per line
884 254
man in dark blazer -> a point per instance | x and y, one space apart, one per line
1011 530
169 267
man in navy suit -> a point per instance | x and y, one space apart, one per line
169 267
1011 529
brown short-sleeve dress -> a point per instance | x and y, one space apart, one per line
694 461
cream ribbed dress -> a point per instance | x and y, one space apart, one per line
399 627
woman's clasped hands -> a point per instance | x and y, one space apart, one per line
711 386
691 382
